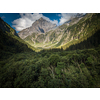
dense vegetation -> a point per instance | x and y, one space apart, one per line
21 67
91 42
6 28
52 69
11 44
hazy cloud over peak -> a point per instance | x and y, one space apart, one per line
27 19
65 17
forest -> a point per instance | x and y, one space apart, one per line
51 69
75 67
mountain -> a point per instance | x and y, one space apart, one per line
75 19
72 31
20 67
39 26
87 27
43 34
10 43
6 28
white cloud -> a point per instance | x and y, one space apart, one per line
54 21
27 19
65 17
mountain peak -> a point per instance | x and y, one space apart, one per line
39 26
41 18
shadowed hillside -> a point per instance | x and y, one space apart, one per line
10 43
21 67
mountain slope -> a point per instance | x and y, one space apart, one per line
83 30
71 30
6 28
75 30
20 67
10 43
39 26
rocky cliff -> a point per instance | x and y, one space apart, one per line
39 26
75 30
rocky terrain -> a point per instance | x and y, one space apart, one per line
39 26
42 34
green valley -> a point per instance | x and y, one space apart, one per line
67 56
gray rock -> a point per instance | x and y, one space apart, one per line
39 26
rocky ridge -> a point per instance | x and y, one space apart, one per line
39 26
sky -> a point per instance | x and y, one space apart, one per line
20 21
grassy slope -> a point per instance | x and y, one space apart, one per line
10 43
6 28
91 27
48 68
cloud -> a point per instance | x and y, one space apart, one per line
52 21
65 17
59 15
3 17
27 19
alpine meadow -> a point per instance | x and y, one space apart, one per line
50 55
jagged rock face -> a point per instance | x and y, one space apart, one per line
53 36
42 26
39 26
24 33
63 34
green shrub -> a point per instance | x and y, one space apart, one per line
53 59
